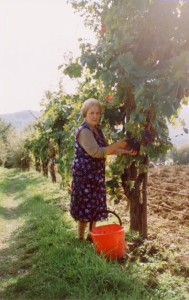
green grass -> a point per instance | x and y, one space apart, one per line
45 261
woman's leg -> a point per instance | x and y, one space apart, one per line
81 229
88 235
93 225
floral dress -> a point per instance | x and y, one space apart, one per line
88 192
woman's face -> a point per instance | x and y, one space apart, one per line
93 115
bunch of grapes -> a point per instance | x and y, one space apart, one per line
134 144
148 137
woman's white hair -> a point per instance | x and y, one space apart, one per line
89 103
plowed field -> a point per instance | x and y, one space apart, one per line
168 209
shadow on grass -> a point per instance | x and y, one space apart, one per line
16 185
18 181
9 213
22 209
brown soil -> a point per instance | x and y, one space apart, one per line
168 210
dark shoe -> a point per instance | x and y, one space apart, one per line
89 238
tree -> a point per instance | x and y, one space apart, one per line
142 59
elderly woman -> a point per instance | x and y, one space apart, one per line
88 193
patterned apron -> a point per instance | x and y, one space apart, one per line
88 192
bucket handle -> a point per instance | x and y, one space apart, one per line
106 211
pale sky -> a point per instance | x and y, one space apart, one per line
34 36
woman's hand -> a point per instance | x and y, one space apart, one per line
127 151
124 149
122 144
120 147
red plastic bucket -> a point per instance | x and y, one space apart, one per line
109 239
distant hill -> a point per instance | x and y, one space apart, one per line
20 120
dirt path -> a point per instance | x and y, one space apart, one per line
10 221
